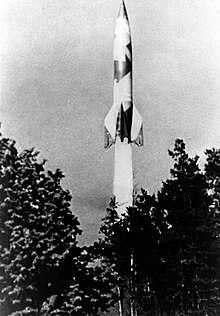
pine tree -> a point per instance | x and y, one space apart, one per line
173 241
38 246
129 247
91 292
191 284
212 172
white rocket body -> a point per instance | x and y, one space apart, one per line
123 123
123 175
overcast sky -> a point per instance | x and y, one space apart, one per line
57 87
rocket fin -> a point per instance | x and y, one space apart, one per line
137 128
108 139
110 127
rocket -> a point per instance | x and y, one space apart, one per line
123 120
123 123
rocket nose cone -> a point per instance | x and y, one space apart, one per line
122 11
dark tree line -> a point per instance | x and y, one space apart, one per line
166 250
160 258
43 271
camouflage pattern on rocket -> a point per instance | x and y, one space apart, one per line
123 119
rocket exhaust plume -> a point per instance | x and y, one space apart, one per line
123 123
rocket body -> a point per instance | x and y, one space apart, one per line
123 175
123 123
123 119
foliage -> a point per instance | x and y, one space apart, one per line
129 247
164 252
90 293
188 242
162 257
37 232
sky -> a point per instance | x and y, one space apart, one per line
56 83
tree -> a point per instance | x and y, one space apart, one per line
91 292
212 172
129 247
39 255
192 230
164 252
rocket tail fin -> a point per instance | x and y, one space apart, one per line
139 141
137 128
110 127
108 139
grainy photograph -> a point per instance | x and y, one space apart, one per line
110 158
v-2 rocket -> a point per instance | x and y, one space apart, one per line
123 119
